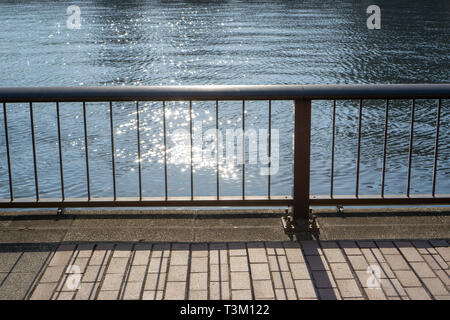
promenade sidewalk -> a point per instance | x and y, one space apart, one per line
408 269
228 256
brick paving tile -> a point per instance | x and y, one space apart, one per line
442 297
256 252
65 295
108 295
305 289
240 280
323 279
424 247
334 255
199 264
136 274
219 272
175 291
350 247
317 263
52 274
293 252
152 295
87 291
158 264
274 248
177 273
219 290
358 262
81 263
141 258
260 271
417 293
218 253
237 249
198 295
62 256
241 295
444 252
282 280
310 247
263 289
422 269
444 276
407 279
112 282
117 265
100 255
396 262
329 294
435 261
199 250
132 291
348 288
278 263
387 247
122 250
435 286
373 255
375 294
392 288
285 294
155 281
161 250
299 271
179 257
409 251
84 250
238 264
341 271
93 273
43 291
198 281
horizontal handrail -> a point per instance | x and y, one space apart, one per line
225 92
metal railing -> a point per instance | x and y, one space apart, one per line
301 95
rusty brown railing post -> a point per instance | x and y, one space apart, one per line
302 147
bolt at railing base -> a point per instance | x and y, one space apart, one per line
60 211
292 226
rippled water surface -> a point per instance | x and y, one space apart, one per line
221 42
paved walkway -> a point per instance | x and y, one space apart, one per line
403 269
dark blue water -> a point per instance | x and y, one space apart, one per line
221 42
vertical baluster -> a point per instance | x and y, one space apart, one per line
217 148
332 149
436 146
386 117
138 131
192 155
270 149
86 152
61 171
165 150
36 183
359 148
243 149
112 150
411 134
5 119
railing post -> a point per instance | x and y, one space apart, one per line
302 147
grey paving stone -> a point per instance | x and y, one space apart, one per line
16 286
